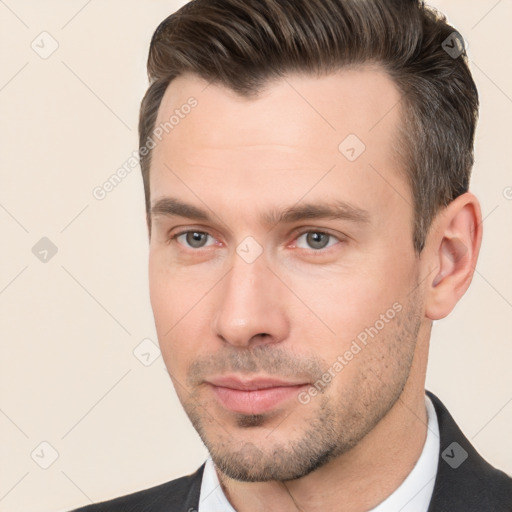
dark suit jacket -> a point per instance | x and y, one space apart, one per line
463 483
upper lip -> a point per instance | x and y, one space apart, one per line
250 384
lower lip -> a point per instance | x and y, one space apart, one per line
256 401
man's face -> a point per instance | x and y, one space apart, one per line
280 259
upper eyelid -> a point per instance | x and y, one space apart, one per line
303 231
171 233
297 232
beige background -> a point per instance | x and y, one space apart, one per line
69 326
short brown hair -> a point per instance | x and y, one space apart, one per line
242 44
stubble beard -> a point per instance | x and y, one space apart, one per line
332 426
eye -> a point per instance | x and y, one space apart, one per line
316 240
194 239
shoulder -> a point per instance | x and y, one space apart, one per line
465 480
180 495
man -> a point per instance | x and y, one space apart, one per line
306 168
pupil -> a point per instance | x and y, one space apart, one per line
317 240
195 239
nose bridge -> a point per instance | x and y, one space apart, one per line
249 306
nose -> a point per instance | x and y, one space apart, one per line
251 306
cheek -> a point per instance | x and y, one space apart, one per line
174 292
347 302
160 298
168 302
180 346
181 311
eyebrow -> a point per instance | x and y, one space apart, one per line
170 207
335 210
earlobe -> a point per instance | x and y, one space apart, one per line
453 247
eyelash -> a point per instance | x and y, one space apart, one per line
297 235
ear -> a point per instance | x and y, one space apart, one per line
451 252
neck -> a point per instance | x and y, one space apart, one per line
359 479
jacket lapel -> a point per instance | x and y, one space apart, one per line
465 482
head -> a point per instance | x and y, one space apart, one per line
309 217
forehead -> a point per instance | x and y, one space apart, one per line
353 100
297 128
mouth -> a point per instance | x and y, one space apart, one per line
253 396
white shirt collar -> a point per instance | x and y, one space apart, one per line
413 494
